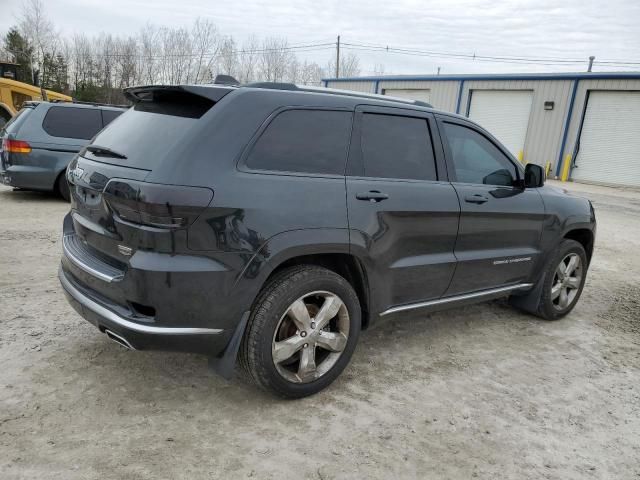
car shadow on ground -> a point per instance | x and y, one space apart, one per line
146 376
9 193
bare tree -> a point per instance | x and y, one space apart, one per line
206 45
248 58
349 66
147 48
228 63
378 69
274 59
98 67
40 33
310 73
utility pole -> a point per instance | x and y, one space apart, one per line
338 57
591 59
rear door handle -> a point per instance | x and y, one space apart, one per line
372 196
477 198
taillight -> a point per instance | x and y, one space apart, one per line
160 206
15 146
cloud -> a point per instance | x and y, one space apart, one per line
531 28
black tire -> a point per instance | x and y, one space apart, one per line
62 187
267 315
547 306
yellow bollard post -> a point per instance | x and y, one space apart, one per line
565 168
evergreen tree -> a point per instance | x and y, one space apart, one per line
20 50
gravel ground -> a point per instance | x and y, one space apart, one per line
478 392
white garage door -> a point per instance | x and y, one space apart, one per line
505 113
610 140
410 93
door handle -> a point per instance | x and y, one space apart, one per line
372 196
477 198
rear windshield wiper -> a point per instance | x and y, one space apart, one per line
107 152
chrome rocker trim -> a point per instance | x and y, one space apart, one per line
456 298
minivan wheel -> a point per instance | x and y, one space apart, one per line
302 331
62 187
564 278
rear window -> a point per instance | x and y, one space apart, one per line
146 132
109 116
306 141
70 122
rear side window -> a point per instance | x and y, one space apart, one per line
397 147
306 141
109 116
69 122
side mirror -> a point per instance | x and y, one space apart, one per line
499 177
533 176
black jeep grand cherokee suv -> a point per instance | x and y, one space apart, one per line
271 223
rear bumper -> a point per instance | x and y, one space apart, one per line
29 177
138 334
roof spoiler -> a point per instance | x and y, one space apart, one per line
148 93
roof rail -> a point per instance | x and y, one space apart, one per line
333 91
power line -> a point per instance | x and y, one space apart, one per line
483 58
293 48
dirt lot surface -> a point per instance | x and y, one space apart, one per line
479 392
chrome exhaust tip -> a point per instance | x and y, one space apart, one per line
118 339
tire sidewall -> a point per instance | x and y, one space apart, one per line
332 283
63 187
565 248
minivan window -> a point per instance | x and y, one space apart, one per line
397 147
69 122
18 99
109 116
17 120
476 159
306 141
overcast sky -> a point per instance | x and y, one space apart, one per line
608 29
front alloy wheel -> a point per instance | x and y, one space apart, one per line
567 281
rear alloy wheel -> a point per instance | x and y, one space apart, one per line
310 337
302 331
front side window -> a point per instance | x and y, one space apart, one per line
69 122
397 147
306 141
476 159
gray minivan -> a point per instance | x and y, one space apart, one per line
40 141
